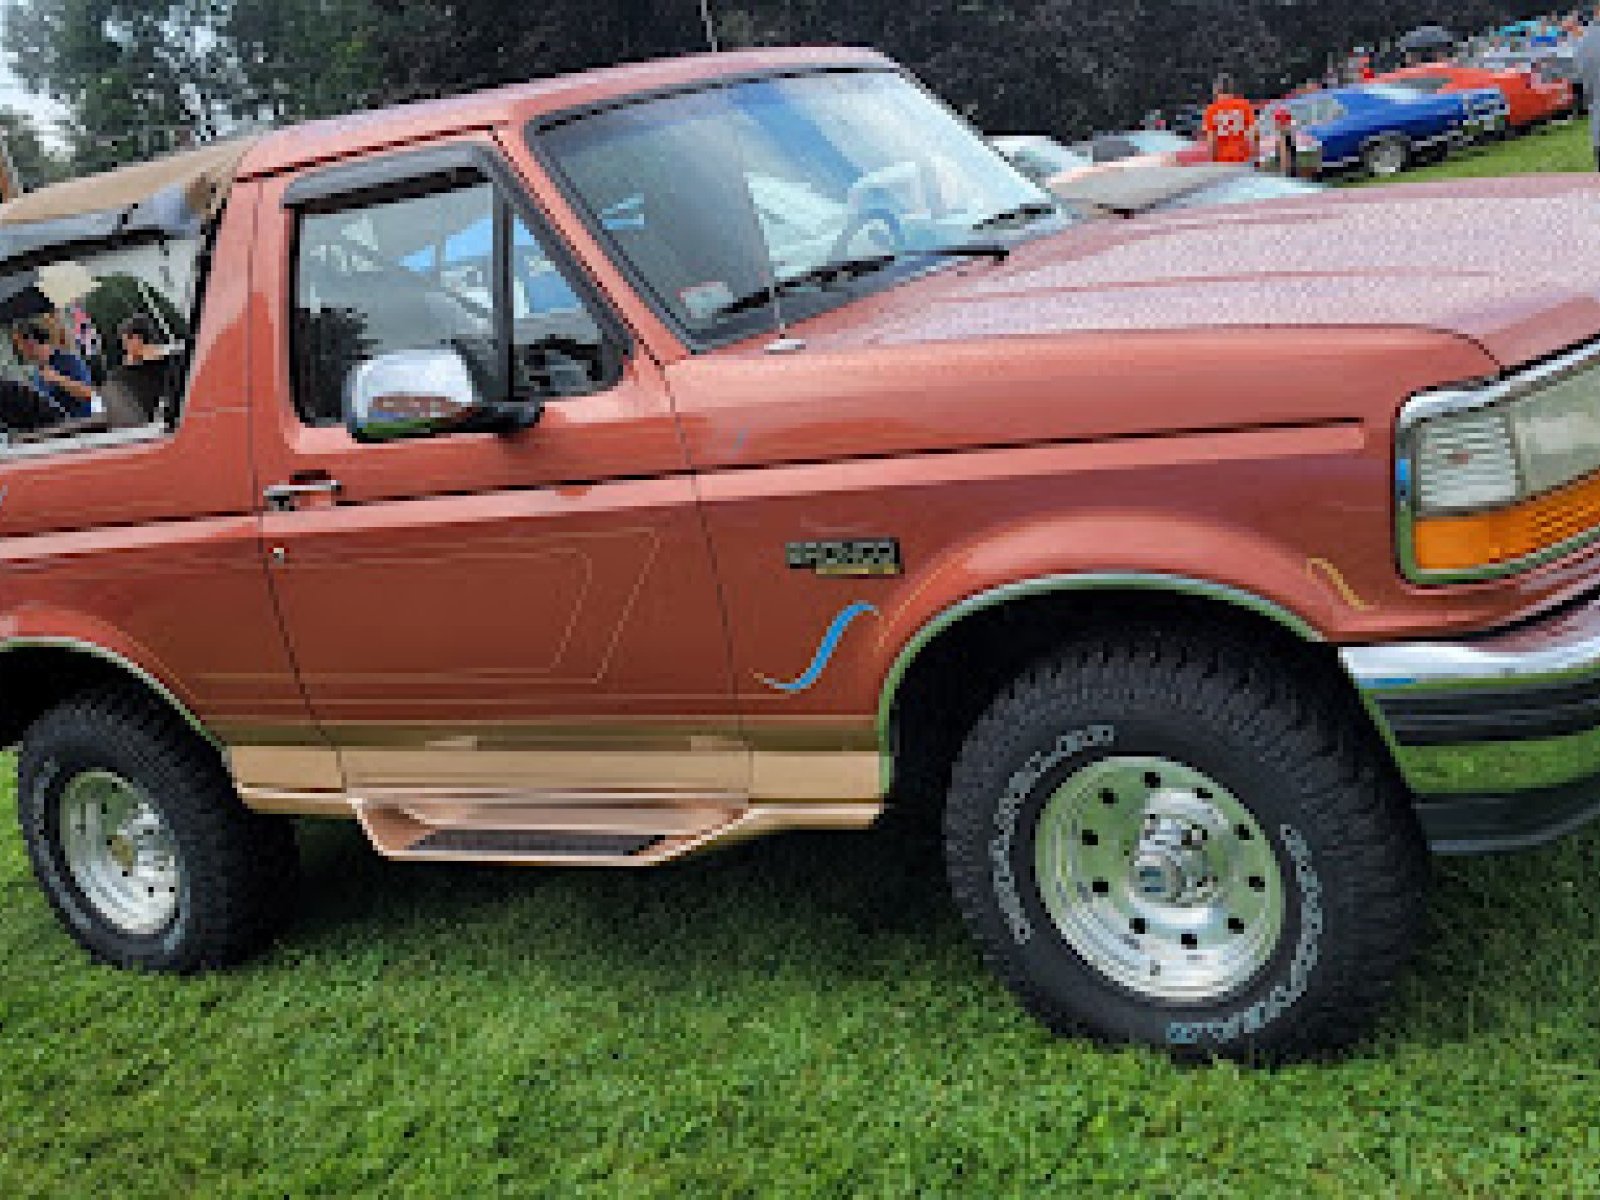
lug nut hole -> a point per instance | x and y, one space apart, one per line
1189 941
1101 887
1090 838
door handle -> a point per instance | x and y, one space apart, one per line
285 497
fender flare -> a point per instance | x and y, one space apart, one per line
944 620
122 663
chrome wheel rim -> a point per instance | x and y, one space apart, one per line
120 852
1159 878
1389 159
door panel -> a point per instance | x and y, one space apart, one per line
501 614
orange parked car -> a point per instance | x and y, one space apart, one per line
611 468
1530 97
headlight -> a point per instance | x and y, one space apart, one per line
1499 479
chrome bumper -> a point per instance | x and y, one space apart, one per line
1498 735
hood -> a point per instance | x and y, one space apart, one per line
1511 264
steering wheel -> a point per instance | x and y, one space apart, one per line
859 223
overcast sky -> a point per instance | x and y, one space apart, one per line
13 95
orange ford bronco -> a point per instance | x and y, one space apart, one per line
619 466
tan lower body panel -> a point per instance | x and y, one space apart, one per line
635 810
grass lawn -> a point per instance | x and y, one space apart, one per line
798 1017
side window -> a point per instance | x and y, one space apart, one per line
557 347
97 344
430 271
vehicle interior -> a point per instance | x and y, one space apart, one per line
78 304
419 272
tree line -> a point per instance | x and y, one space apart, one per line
139 77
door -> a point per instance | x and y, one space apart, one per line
481 615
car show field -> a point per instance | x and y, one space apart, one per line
802 1016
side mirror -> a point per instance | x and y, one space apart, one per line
424 393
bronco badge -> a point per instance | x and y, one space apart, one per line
859 556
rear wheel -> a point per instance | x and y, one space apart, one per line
140 842
1386 156
1161 842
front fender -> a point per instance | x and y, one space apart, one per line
1153 553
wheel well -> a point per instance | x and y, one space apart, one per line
35 679
960 673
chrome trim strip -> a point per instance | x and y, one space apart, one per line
1562 652
1428 405
117 660
1095 581
1415 665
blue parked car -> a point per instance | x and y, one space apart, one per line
1380 127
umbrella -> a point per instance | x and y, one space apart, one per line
1428 37
43 289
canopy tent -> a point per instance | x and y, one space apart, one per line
174 195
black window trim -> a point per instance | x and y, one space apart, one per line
393 176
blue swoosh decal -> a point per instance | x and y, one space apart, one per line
830 643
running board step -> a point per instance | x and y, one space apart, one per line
604 832
518 843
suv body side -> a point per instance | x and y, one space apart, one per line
96 542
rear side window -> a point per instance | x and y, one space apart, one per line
449 268
97 344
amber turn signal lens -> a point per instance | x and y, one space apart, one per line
1507 535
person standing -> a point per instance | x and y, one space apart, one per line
1284 140
1586 58
1230 125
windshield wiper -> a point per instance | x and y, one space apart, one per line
838 271
1021 214
822 275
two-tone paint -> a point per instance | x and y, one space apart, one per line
591 629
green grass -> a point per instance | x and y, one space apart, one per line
798 1017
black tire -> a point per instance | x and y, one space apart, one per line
1353 865
237 871
1386 157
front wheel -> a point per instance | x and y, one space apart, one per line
1161 842
140 842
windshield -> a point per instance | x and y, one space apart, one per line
1393 91
1426 83
711 196
1040 158
1158 141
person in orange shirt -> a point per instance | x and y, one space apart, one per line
1230 125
